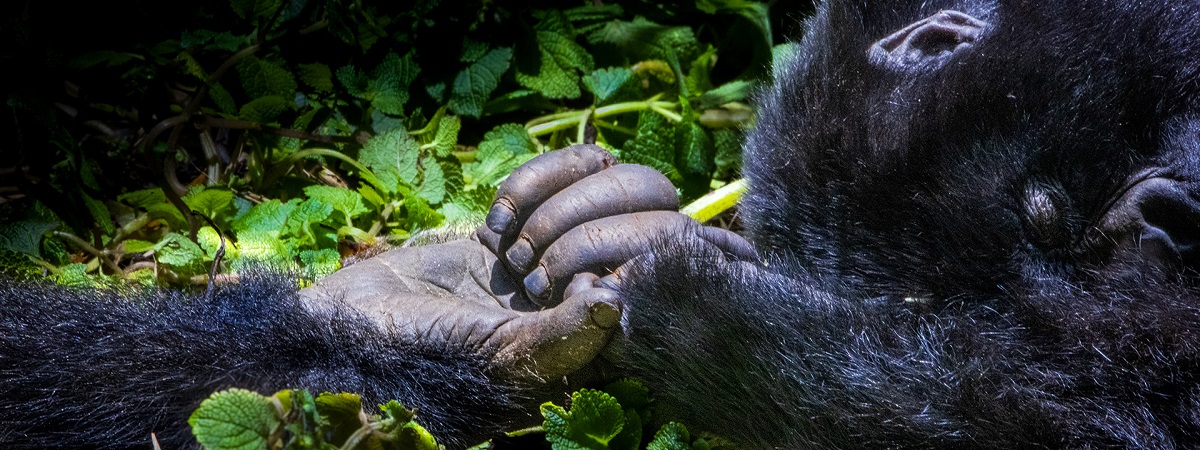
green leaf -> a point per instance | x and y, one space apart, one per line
74 275
263 109
301 220
270 215
502 150
404 433
433 186
446 136
144 198
212 202
388 86
261 78
672 436
222 98
594 419
642 39
757 13
392 157
728 159
100 214
316 76
475 84
209 240
261 245
24 236
729 92
319 263
137 246
605 83
653 146
347 201
178 251
555 71
234 419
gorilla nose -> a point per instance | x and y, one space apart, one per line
1158 219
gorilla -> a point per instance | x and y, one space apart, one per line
970 224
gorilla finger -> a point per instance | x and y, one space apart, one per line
598 247
623 189
539 179
730 243
556 342
581 282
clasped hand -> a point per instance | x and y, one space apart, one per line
536 289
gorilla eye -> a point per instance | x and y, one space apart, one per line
1044 213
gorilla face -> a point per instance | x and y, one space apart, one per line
950 156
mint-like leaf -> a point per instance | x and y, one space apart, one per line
475 84
392 157
502 150
261 78
234 419
672 436
556 71
319 263
594 419
270 215
254 9
347 201
178 251
263 109
388 86
605 83
316 76
212 201
446 136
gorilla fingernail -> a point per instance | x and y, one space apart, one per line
502 216
520 255
538 285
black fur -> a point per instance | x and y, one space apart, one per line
907 301
87 369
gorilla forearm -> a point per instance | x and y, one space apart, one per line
88 369
782 359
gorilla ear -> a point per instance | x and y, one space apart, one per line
929 42
1157 220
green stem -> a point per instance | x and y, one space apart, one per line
716 202
572 119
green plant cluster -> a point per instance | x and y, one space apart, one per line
614 418
304 131
237 419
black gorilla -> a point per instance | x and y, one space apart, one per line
977 224
981 231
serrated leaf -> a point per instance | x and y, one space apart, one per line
316 76
319 263
446 136
472 50
254 9
347 201
222 98
100 213
605 83
642 39
392 157
178 251
433 184
144 198
191 66
757 13
209 240
420 215
594 419
261 245
73 275
270 215
672 436
304 217
388 86
24 236
234 419
558 66
354 80
728 159
261 78
263 109
502 150
475 84
653 146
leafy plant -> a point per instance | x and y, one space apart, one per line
301 132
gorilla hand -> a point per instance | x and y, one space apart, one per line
576 211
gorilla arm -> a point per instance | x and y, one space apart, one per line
446 329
